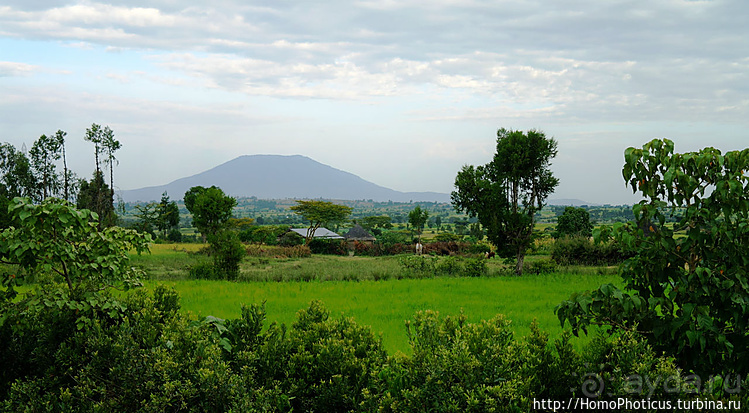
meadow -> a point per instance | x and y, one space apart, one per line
371 290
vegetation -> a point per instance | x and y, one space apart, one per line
320 213
506 193
417 218
686 291
574 222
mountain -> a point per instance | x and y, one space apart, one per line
279 177
570 202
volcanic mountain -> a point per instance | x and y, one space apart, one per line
280 177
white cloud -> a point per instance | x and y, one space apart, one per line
8 69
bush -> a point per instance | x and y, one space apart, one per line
204 271
417 266
583 251
475 267
542 266
328 246
227 252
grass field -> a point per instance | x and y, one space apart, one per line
386 305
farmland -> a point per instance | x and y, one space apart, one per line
370 290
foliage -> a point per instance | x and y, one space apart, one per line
417 218
44 152
17 179
227 252
268 234
506 193
328 246
686 289
376 223
475 267
577 250
54 238
320 213
542 266
210 209
96 196
574 222
167 215
448 237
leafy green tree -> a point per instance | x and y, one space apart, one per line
96 196
687 287
167 215
320 213
376 223
95 134
574 222
210 209
55 238
44 153
17 177
147 216
417 218
506 193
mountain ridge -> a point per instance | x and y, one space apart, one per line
280 177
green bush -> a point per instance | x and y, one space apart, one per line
542 266
450 266
328 246
583 251
204 271
227 252
417 266
475 267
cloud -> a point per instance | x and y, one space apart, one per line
11 69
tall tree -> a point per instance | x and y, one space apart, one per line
95 135
506 193
210 209
109 146
167 215
320 213
418 217
44 152
66 174
95 196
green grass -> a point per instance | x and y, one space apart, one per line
386 305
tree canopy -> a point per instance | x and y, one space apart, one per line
211 209
574 222
506 193
417 218
320 213
687 286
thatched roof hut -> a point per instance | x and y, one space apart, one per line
357 233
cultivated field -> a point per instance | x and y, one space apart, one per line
372 290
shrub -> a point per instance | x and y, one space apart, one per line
583 251
328 246
542 266
475 267
450 266
418 266
204 271
227 253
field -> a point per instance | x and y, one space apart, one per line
369 290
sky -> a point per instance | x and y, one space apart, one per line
400 93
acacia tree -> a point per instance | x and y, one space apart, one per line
320 213
417 218
506 193
687 286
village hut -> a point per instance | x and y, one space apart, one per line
357 233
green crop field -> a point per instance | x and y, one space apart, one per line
369 290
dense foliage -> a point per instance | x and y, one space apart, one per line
687 286
574 222
506 193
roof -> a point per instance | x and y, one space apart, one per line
357 233
320 233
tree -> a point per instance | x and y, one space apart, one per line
686 289
167 215
375 224
320 213
506 193
210 209
44 152
110 145
55 238
17 177
95 135
418 217
95 196
147 216
574 222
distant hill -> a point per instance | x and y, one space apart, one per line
280 177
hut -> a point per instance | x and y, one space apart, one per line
357 233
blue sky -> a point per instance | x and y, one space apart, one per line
401 93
